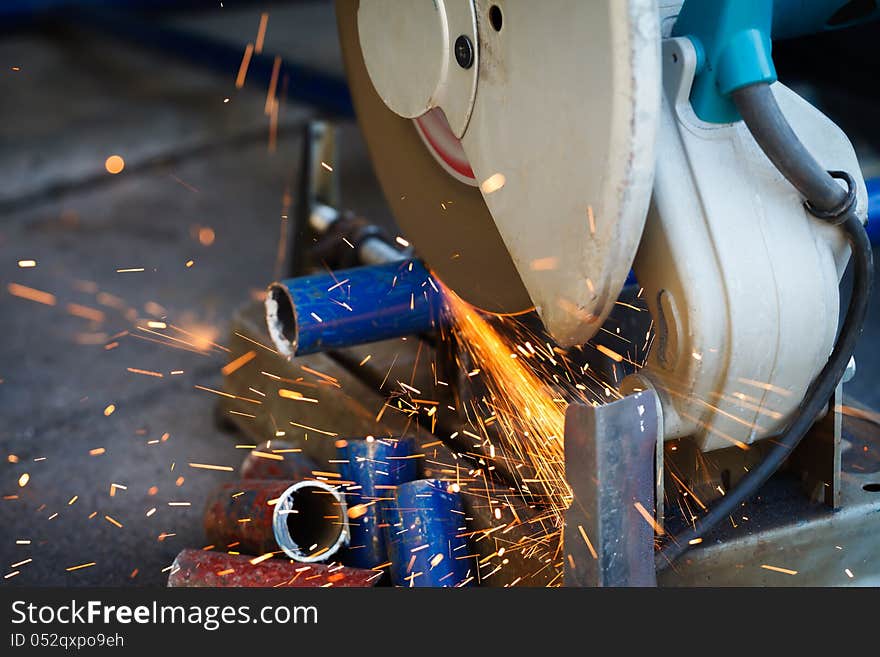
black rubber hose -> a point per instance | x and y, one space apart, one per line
767 123
783 148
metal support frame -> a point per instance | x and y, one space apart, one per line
610 455
315 185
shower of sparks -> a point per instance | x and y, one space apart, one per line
510 388
530 420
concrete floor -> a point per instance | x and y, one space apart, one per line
193 162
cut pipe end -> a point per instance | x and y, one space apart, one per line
281 319
310 521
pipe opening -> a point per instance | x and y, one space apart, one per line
281 319
310 521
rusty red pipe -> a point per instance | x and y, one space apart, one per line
200 568
277 459
307 521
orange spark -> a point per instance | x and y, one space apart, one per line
243 69
31 294
649 518
239 362
114 164
134 370
82 565
613 355
777 569
261 33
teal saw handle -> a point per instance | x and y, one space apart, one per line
733 39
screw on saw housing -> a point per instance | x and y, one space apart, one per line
464 52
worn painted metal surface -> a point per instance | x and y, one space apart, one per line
306 520
277 459
375 468
426 535
206 568
352 306
783 538
238 515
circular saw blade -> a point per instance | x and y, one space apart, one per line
446 220
561 137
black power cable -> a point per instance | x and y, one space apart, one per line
827 200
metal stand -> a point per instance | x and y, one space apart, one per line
610 454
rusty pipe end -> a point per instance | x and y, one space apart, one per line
281 319
310 521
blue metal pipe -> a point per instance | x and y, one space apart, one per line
873 225
375 467
352 306
426 535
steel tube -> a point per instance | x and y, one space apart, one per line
371 249
426 535
307 521
374 468
351 306
277 459
206 568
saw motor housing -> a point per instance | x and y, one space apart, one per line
584 157
742 282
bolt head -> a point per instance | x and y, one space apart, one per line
464 52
